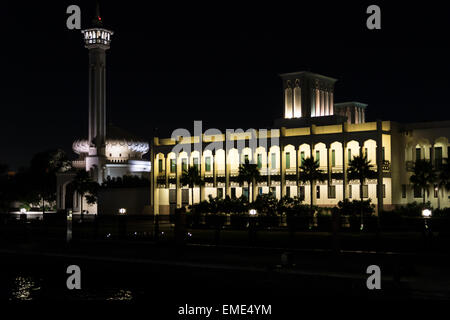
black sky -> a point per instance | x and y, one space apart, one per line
170 65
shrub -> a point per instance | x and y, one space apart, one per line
413 209
353 210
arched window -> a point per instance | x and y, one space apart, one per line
288 112
297 101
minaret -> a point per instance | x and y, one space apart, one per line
97 40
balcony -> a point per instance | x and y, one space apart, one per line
79 164
386 166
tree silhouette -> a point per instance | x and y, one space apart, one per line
310 172
423 176
191 177
86 187
444 177
360 168
249 172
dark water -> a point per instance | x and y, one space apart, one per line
23 280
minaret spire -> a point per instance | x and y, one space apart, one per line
97 21
97 40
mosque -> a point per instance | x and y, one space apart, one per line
313 125
108 152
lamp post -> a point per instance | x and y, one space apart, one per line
122 223
252 214
69 226
23 214
436 190
426 214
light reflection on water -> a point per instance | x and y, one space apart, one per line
122 295
24 289
27 288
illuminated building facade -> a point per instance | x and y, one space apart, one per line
312 126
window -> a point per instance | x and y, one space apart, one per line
233 193
260 190
349 155
184 164
173 166
331 192
333 158
350 191
301 193
383 155
403 191
288 160
438 157
208 164
220 193
288 191
436 190
160 165
196 163
274 161
318 192
273 191
365 191
417 192
302 157
259 161
317 156
418 153
245 192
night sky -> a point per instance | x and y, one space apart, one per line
170 65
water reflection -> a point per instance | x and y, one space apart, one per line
23 289
27 288
122 295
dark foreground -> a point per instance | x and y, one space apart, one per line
234 269
143 272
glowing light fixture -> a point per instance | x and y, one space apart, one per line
252 212
23 210
122 211
426 213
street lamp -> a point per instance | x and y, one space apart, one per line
436 190
122 211
69 226
426 213
252 224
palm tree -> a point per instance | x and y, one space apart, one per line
191 177
360 168
86 187
444 177
423 176
310 172
249 172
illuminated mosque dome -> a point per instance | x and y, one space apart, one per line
120 144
